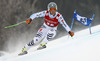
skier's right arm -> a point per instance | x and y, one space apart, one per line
36 15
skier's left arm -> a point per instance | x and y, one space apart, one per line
36 15
64 24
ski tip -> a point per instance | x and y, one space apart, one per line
23 53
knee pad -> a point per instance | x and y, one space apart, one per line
31 43
36 40
51 34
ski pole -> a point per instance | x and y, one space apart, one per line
15 24
72 37
72 23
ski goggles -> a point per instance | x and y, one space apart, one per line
52 9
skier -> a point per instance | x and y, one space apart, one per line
48 29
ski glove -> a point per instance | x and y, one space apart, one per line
29 21
71 33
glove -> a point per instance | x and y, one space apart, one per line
29 21
71 33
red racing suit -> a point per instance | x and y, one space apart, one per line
50 20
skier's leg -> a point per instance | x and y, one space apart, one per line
39 36
51 34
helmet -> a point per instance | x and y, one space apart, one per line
52 5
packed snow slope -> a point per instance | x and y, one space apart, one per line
15 11
82 47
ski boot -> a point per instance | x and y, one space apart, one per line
42 46
23 51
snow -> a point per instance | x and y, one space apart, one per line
82 47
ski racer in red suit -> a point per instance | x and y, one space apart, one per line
49 27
